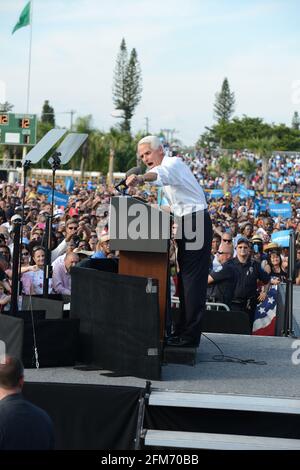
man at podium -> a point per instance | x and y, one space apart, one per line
189 207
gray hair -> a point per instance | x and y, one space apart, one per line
152 140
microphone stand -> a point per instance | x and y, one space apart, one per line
18 236
121 191
288 310
55 162
15 269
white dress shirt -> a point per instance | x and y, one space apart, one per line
181 188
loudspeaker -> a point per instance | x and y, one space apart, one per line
57 343
119 321
110 265
26 315
11 332
222 321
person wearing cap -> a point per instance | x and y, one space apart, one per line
249 272
189 207
257 251
103 249
15 219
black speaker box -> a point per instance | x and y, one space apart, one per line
27 315
57 342
222 321
119 322
11 333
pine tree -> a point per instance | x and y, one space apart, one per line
6 107
296 121
224 104
48 115
127 86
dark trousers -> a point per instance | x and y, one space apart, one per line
193 266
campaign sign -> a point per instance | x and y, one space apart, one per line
43 189
60 199
216 194
282 238
282 210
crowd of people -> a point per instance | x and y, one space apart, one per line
238 263
244 259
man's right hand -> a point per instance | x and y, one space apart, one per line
132 180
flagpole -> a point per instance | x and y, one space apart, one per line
29 58
29 70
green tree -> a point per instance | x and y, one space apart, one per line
296 121
234 133
248 168
127 87
84 125
48 115
224 167
263 148
6 107
224 104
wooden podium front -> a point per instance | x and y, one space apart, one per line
145 256
151 265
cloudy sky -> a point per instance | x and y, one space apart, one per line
185 48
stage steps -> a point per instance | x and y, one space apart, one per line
224 402
210 441
217 421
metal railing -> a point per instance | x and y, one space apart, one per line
209 305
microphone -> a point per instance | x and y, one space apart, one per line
136 170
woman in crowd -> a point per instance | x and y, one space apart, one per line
278 273
33 281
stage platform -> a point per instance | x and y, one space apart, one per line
270 371
251 403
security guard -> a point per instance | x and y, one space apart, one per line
223 281
245 296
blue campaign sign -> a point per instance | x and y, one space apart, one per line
244 193
283 210
282 238
60 199
69 184
235 190
216 193
43 189
260 205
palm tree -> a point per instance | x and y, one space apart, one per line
223 167
263 148
84 125
248 167
114 140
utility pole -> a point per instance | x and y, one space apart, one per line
147 125
169 133
72 112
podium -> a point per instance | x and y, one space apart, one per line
141 233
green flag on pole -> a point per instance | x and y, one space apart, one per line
24 19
